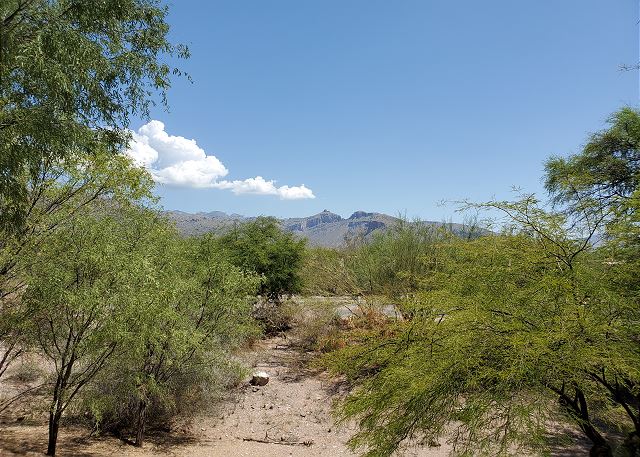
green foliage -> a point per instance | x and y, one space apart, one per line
71 73
59 192
261 246
602 182
194 311
105 290
509 333
606 172
504 325
81 302
393 262
326 271
136 320
621 246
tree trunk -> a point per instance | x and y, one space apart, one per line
599 442
54 425
601 447
578 409
140 422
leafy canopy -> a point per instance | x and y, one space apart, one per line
193 308
81 300
71 74
511 332
606 172
261 246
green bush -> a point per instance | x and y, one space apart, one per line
326 271
511 332
262 247
197 309
113 401
395 261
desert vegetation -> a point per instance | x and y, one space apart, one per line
488 336
509 332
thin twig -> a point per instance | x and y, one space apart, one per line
286 443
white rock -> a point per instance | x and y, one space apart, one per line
259 378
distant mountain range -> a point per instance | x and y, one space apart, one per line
323 229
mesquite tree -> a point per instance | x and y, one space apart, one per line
59 192
83 298
199 309
71 74
511 331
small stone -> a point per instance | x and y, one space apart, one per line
259 378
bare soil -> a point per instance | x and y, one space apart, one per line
290 416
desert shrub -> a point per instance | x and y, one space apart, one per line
314 318
394 262
275 316
262 247
508 333
197 310
354 331
326 272
318 326
28 369
81 302
195 388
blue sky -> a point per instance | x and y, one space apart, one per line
389 106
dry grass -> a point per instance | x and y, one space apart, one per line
325 324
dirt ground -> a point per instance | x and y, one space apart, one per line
291 413
290 416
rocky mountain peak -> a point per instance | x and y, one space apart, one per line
360 214
325 217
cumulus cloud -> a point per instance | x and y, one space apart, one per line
261 186
178 161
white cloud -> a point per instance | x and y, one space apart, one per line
261 186
178 161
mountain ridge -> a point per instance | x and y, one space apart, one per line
326 229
